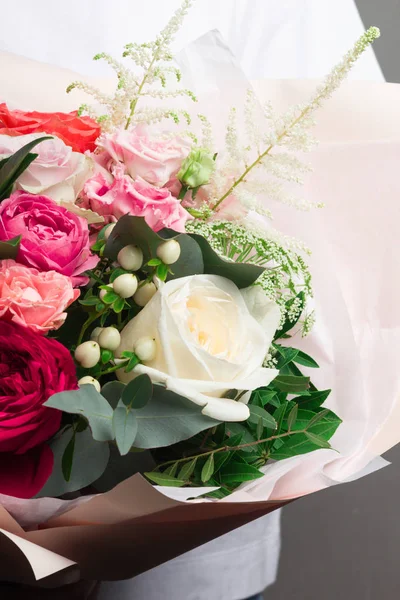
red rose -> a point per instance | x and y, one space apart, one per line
78 132
32 368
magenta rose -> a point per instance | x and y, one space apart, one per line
32 368
154 158
53 238
125 196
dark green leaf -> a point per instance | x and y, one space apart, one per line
314 400
138 392
88 403
220 459
164 479
9 249
190 261
68 457
242 274
317 440
89 462
256 413
292 417
187 470
318 417
291 384
285 355
238 472
16 165
208 469
92 301
263 397
172 470
246 437
260 428
133 230
304 359
125 428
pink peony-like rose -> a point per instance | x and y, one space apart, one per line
153 158
34 299
53 238
57 172
125 196
32 368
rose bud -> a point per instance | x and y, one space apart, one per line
145 293
196 169
125 285
130 258
88 354
90 381
145 348
169 252
109 339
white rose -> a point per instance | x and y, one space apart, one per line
210 337
57 172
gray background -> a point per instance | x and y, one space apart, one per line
345 542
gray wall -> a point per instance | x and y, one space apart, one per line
345 542
386 15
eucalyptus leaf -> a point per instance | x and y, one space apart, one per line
89 461
242 274
87 402
120 468
168 419
125 428
138 392
112 392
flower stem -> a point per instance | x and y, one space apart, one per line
114 368
91 318
231 448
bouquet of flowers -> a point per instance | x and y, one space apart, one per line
150 314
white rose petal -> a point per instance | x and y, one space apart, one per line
208 341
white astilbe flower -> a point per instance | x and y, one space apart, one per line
289 131
150 79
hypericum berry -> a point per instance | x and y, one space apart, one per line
145 293
109 338
108 231
91 381
169 252
130 258
94 336
104 292
88 354
145 348
125 285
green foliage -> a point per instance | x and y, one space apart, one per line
12 167
10 248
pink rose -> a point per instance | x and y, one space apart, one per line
33 299
57 172
153 158
53 238
124 196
